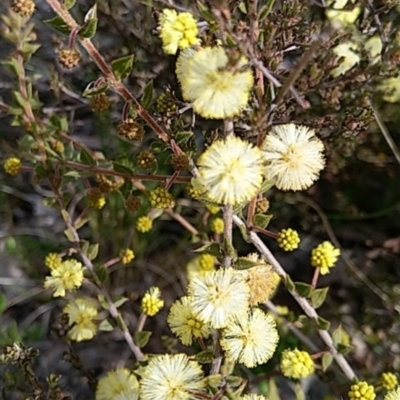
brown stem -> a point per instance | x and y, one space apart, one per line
315 278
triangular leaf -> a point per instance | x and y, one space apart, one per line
122 67
142 338
147 95
59 25
318 296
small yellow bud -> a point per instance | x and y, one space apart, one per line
288 239
126 255
12 166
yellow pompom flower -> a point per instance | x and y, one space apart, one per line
393 394
296 364
120 384
177 30
217 226
339 16
126 255
213 209
52 260
172 377
81 314
288 239
324 257
390 89
231 171
184 323
151 302
294 157
250 340
361 391
12 166
66 276
389 380
216 89
200 265
96 198
161 198
144 224
218 297
347 58
260 278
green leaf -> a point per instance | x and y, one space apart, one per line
142 338
68 4
122 67
182 138
266 9
59 25
93 251
106 326
326 361
120 301
345 349
323 324
3 303
69 235
244 263
91 90
213 249
318 297
86 157
28 49
89 28
122 168
289 283
206 357
234 381
242 7
147 95
303 289
81 222
20 99
262 220
266 185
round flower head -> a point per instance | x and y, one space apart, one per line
294 157
361 391
200 265
339 16
324 256
218 297
68 275
346 57
184 323
231 170
260 278
151 302
250 340
81 314
120 384
215 90
390 89
12 166
296 364
171 377
393 394
389 380
177 30
288 239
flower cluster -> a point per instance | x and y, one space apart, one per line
126 255
81 315
12 166
231 171
177 30
393 394
361 391
151 302
389 380
296 364
161 198
288 239
216 89
324 257
144 224
67 275
120 384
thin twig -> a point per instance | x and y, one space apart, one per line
303 303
